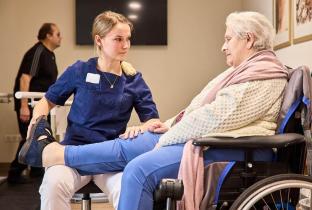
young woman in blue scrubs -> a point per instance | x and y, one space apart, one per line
105 89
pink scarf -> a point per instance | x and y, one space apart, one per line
262 65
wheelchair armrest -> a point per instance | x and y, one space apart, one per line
169 188
251 142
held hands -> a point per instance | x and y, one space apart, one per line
158 127
152 126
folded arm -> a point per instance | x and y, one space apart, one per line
234 107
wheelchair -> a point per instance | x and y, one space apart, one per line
251 184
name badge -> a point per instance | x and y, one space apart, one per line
93 78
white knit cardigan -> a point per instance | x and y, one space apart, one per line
245 109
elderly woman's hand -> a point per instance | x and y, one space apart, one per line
158 127
132 132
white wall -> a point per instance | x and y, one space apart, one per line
175 72
294 55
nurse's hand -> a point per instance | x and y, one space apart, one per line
132 132
31 124
158 127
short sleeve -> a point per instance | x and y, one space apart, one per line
31 61
62 89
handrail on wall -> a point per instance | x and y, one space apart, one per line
6 97
34 97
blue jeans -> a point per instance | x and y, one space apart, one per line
108 156
143 167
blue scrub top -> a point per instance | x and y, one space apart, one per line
98 112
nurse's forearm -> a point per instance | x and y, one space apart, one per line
43 107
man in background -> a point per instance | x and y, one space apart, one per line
37 72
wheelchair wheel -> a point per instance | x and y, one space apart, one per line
284 191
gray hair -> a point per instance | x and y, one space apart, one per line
252 22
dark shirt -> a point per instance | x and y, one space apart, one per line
98 112
38 62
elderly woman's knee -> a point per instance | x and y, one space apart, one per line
134 173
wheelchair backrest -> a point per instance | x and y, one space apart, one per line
295 114
295 117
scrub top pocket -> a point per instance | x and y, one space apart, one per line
92 86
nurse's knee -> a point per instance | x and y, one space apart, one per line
57 184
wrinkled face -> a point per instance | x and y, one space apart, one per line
55 38
236 49
115 45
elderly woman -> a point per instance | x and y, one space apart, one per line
244 100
